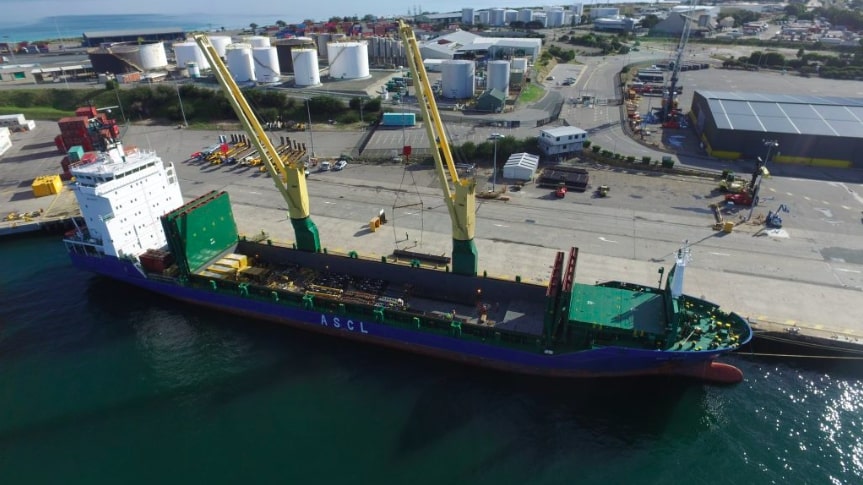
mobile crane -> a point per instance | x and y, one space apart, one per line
462 203
287 172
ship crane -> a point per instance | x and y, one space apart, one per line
286 171
461 202
675 72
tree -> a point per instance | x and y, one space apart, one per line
281 23
254 27
649 21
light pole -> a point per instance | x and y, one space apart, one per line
311 138
119 103
182 111
495 137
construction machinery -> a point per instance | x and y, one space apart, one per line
729 182
560 192
287 172
773 220
602 191
461 202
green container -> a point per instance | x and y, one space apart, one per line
75 153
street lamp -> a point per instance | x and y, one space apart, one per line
119 103
182 111
311 137
495 137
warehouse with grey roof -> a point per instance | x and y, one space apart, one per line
813 130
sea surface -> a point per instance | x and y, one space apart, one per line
74 26
104 383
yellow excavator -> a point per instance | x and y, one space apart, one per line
286 170
462 202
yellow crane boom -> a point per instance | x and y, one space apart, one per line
462 203
287 172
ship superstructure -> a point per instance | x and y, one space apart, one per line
122 192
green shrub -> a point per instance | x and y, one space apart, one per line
606 153
645 159
586 144
630 159
595 148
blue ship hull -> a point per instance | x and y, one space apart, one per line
599 362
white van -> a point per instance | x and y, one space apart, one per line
325 166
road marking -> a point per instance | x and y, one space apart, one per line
772 189
847 270
846 207
501 225
807 197
789 194
607 240
720 254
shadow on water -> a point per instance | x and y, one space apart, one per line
623 410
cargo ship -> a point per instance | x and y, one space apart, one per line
138 230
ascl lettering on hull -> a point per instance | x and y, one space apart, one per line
349 325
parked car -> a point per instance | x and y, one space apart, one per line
340 165
325 166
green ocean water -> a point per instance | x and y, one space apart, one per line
104 383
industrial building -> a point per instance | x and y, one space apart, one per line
520 166
561 140
815 130
97 38
465 45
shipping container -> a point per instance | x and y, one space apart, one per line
75 153
87 111
60 144
399 119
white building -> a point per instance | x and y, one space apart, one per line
520 166
5 140
601 12
561 140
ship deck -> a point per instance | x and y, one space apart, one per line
520 313
620 308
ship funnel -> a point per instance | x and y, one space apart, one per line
683 257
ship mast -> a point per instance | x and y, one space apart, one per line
462 203
287 172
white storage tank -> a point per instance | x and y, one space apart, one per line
220 43
194 70
266 64
497 17
240 62
457 79
467 16
186 52
348 60
153 56
518 63
306 71
555 17
498 76
322 40
257 41
525 15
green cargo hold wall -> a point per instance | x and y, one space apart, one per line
200 230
